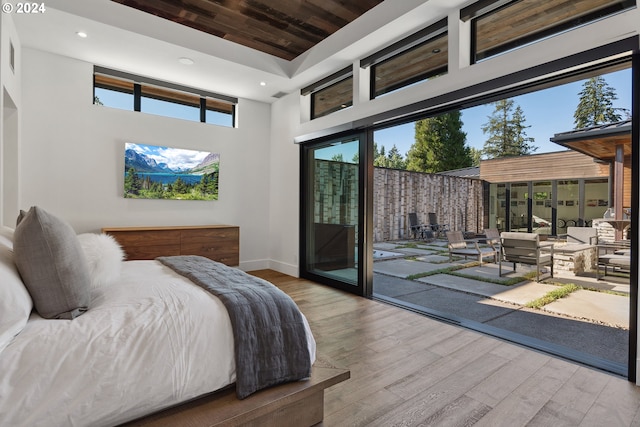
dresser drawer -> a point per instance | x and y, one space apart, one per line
217 242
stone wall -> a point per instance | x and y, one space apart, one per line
455 200
606 232
336 187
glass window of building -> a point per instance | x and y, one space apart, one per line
500 26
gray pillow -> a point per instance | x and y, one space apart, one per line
52 265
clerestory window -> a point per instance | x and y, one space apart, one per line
419 57
134 93
498 26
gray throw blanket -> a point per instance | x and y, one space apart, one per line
269 335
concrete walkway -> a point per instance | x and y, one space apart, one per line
586 320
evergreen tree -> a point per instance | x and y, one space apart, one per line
392 160
440 145
596 104
476 156
395 159
179 186
132 182
507 132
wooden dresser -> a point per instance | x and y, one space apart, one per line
218 242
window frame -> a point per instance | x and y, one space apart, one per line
406 45
328 82
142 87
484 8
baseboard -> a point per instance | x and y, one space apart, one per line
258 264
264 264
284 268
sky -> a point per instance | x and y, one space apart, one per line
175 158
548 112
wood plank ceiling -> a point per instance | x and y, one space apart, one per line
283 28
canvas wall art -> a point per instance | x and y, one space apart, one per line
155 172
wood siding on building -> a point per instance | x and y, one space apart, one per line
547 166
626 191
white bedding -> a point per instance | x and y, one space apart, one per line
150 341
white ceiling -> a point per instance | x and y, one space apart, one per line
126 39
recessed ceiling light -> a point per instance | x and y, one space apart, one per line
81 34
186 61
263 83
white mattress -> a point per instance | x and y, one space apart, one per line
150 341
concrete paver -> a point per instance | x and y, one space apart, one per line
395 286
404 268
602 307
592 322
386 246
436 259
418 251
517 294
460 304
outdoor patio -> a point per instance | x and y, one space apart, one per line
592 318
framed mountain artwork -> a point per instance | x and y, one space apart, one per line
154 172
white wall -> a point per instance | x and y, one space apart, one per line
284 235
10 100
72 158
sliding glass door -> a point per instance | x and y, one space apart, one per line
333 207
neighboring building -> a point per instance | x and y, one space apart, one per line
546 193
520 199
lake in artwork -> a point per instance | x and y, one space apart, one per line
155 172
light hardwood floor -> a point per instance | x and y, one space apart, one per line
408 369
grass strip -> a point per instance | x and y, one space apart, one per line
407 246
606 291
505 282
446 270
556 294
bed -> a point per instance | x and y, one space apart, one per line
150 339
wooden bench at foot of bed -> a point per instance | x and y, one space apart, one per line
295 404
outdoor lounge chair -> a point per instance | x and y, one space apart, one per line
461 247
416 228
435 226
525 248
584 235
493 238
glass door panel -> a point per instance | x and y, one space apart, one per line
596 195
519 206
332 212
542 209
568 205
497 206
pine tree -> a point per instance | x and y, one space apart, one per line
440 145
596 104
507 132
476 156
132 182
392 160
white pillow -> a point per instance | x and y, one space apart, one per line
104 256
15 301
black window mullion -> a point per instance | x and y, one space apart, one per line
203 110
474 42
137 97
